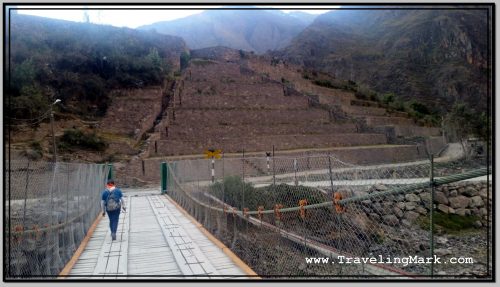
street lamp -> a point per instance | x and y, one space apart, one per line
52 127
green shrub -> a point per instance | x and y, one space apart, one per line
449 223
242 54
351 83
35 145
324 83
23 74
419 108
202 62
231 189
289 195
388 98
464 121
185 57
34 152
364 93
343 85
75 138
31 103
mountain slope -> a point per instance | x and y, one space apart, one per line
435 56
250 30
81 63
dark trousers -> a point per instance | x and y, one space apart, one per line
113 220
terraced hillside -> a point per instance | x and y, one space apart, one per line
370 113
220 102
231 100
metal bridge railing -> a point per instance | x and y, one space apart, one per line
276 213
49 207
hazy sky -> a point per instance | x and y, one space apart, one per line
134 17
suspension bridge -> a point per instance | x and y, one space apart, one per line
155 238
254 219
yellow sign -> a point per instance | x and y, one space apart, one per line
211 153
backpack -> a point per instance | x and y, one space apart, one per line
112 203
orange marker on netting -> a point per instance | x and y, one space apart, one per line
245 212
36 233
302 210
337 196
259 210
277 212
225 209
44 232
18 237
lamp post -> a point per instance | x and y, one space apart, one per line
52 128
442 130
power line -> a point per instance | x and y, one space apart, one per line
33 119
33 123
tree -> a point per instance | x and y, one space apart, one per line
155 59
388 98
31 103
23 74
463 122
185 57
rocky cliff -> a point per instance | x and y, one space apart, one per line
437 56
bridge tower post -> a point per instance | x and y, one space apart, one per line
164 172
110 173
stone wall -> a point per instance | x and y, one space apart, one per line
216 53
382 121
121 147
364 111
367 103
413 130
123 116
330 96
217 72
261 143
132 172
195 117
435 145
463 198
258 97
203 130
292 74
393 131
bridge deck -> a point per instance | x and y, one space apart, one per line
154 240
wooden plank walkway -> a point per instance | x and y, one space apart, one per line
155 240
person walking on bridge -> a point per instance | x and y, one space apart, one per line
112 202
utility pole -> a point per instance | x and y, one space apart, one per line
52 128
442 130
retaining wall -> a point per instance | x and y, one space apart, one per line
130 172
260 143
205 130
196 117
124 117
462 198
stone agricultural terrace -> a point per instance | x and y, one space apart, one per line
235 101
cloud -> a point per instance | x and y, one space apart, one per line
135 16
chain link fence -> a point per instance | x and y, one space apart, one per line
49 207
285 216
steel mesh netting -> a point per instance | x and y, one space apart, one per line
49 207
274 213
